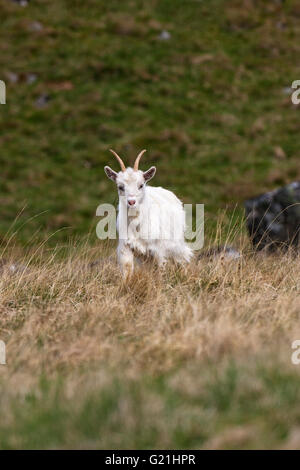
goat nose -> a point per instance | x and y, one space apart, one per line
131 202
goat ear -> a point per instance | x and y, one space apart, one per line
111 174
149 173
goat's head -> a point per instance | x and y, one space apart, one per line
130 181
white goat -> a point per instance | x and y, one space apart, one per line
151 221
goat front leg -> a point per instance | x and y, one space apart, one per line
125 258
161 261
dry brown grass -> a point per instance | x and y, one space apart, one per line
62 314
75 318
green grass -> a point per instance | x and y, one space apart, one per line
208 104
117 416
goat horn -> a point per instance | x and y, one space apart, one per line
123 168
137 161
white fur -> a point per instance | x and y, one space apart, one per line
155 224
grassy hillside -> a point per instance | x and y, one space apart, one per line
202 85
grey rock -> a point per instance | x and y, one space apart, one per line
42 101
31 78
12 77
100 262
225 252
287 90
273 218
36 26
16 268
11 267
22 3
164 35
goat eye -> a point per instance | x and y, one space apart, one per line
141 186
121 188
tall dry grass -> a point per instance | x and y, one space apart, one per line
72 315
65 313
